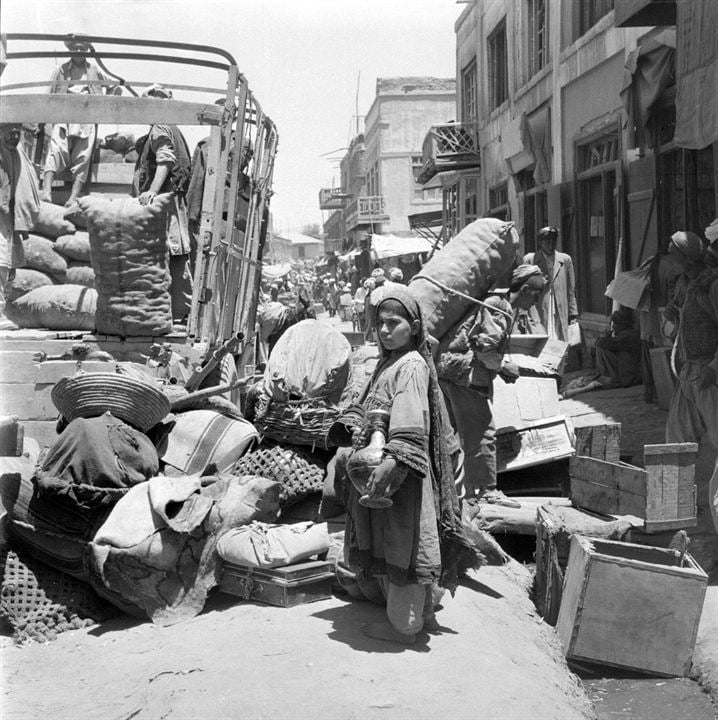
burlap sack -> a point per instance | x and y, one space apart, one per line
79 273
25 281
51 221
40 255
470 264
55 307
74 247
128 244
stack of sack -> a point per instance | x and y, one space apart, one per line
54 288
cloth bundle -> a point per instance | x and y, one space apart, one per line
264 545
306 383
157 552
299 473
129 257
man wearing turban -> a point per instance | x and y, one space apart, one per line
469 360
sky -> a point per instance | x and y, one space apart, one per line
310 64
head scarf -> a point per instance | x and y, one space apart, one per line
688 244
457 552
522 274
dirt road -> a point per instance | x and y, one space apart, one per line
494 659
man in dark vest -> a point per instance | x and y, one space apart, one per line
163 166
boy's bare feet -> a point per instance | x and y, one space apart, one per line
384 631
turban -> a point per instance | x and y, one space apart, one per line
157 90
377 272
547 231
523 273
711 232
688 244
369 284
396 274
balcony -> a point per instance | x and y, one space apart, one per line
451 146
645 13
365 210
332 198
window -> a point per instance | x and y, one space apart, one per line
535 206
591 11
498 66
417 163
537 36
461 204
499 202
372 180
469 105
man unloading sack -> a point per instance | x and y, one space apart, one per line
163 166
469 361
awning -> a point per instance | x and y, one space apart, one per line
388 246
274 272
442 180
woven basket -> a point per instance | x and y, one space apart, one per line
299 422
39 602
139 403
299 473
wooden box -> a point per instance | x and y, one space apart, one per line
555 526
663 494
602 441
282 586
631 606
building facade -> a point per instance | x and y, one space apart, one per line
379 171
574 105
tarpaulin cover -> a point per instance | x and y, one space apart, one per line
274 272
388 246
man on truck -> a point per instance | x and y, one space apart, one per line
19 207
163 166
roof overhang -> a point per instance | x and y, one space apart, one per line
645 13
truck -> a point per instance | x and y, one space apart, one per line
234 217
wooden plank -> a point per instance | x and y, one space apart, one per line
616 475
657 526
28 401
573 589
109 109
606 500
665 448
600 441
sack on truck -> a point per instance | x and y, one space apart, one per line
128 243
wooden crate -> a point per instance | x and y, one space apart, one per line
663 494
555 526
602 441
536 443
631 606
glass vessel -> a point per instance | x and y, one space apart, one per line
362 462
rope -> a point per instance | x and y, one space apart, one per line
451 291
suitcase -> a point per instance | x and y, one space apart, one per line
284 586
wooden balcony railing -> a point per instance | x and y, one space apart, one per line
450 146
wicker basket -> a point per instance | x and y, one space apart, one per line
139 403
299 473
299 422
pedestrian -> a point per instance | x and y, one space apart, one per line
163 166
345 302
72 144
333 295
557 306
359 303
418 542
693 413
469 360
618 353
19 208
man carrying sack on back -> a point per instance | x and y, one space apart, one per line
163 166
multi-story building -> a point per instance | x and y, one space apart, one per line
573 108
380 168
